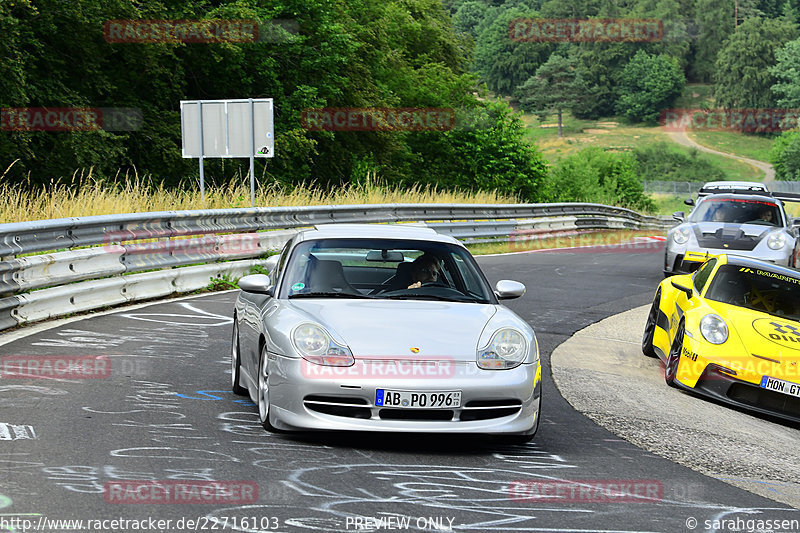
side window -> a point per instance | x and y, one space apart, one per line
701 277
472 284
281 262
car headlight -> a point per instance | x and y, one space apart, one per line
776 241
507 349
681 235
315 345
714 329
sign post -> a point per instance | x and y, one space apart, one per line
228 128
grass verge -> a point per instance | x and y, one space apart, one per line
88 195
742 144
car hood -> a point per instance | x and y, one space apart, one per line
765 336
396 328
730 236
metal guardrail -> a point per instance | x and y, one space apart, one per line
94 262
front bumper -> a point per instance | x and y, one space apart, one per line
728 389
306 396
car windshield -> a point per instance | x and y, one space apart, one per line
761 290
737 211
384 269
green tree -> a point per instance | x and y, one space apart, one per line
469 16
487 150
649 84
743 78
359 53
785 155
502 62
593 175
556 86
600 65
713 24
676 40
787 73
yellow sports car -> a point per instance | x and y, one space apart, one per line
731 331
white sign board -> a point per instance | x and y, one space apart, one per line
227 128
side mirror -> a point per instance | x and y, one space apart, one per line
680 285
689 201
256 283
271 262
507 289
680 216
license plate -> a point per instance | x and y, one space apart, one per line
778 385
403 399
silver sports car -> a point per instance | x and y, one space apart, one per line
384 328
752 224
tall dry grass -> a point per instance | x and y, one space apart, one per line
135 194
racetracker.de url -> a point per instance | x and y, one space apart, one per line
178 525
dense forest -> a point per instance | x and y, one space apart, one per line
442 54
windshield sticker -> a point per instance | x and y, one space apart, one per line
739 201
768 274
298 286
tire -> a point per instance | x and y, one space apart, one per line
650 328
264 406
671 366
236 362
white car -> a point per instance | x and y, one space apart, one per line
344 335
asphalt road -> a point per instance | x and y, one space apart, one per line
161 410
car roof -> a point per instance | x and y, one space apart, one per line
376 231
738 260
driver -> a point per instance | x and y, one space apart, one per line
426 270
767 215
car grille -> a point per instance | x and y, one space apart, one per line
349 407
488 409
765 399
355 407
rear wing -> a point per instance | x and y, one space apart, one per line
705 191
782 196
787 196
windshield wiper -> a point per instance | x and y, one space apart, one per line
320 294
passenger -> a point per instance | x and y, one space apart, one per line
426 270
719 215
767 215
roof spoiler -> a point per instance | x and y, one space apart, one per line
782 196
761 192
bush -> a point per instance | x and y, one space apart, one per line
785 155
487 151
647 85
593 175
661 161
